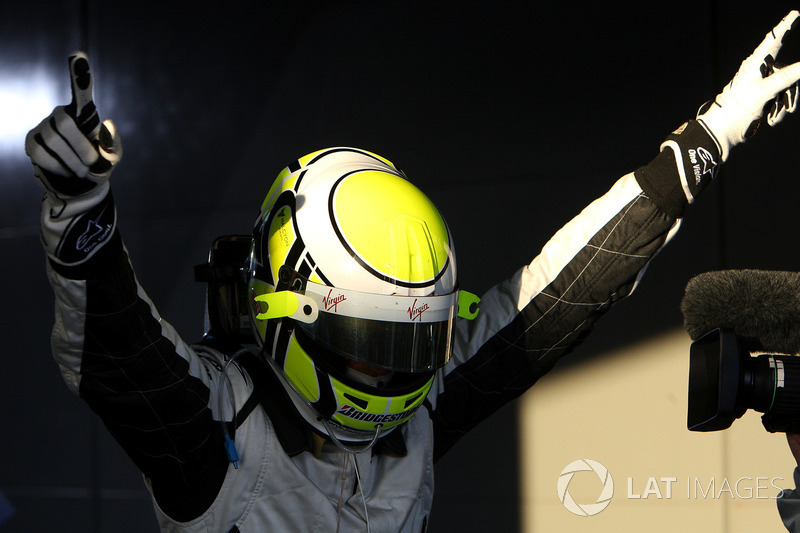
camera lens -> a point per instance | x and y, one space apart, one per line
782 413
725 381
758 387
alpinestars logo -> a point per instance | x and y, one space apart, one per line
331 302
351 412
709 166
94 235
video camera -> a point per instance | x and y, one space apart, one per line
725 380
745 325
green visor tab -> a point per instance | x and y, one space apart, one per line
283 304
468 305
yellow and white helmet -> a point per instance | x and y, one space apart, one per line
353 287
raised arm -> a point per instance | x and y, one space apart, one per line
152 391
549 306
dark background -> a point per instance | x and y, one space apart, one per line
512 116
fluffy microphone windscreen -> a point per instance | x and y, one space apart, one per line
761 306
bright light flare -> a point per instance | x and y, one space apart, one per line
26 97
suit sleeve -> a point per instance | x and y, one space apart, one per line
788 502
549 306
151 390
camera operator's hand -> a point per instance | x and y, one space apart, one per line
73 155
788 500
794 445
759 87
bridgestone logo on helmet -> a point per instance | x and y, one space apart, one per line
351 412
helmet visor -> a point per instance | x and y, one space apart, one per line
400 333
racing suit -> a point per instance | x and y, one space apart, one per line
788 501
164 400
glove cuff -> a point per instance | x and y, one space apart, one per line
713 118
688 161
73 230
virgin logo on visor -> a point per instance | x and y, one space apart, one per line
331 303
415 312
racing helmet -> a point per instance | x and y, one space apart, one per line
352 281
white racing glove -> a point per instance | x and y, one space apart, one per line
73 156
785 102
760 87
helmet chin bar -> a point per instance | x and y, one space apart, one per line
339 436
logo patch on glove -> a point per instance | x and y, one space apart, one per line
702 163
87 233
94 235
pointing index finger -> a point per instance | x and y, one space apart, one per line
774 39
82 107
